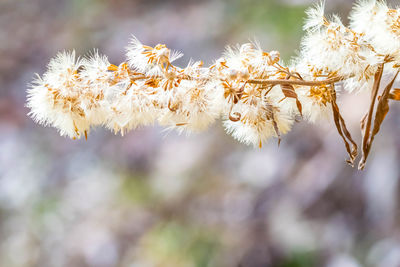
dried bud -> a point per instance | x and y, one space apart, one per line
163 52
244 74
220 61
170 75
274 57
232 74
246 48
220 64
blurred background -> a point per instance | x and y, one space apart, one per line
155 199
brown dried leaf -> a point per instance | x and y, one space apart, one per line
380 115
351 146
395 94
235 116
299 107
276 128
382 110
288 91
366 122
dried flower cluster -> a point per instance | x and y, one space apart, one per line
256 96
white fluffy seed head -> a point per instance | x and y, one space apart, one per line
191 107
55 100
338 50
259 116
315 17
379 23
97 90
150 60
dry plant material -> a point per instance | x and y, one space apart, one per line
395 95
351 146
288 91
381 112
366 121
252 91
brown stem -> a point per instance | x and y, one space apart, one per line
268 82
297 82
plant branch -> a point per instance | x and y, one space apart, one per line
264 81
297 82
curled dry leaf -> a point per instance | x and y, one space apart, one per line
276 128
235 116
351 146
288 91
367 119
381 112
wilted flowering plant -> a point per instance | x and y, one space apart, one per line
256 96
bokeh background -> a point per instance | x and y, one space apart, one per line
156 199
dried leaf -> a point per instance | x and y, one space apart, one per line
380 115
381 111
351 146
395 94
276 128
366 122
235 116
288 91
